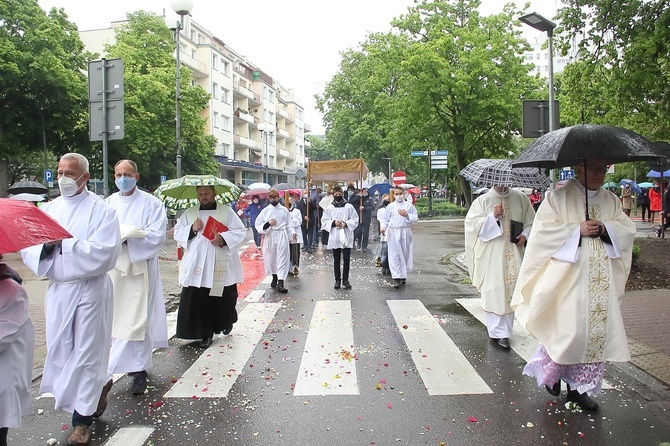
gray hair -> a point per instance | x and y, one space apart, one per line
81 160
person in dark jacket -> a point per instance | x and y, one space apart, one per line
364 205
643 201
251 212
309 209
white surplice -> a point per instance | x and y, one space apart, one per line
140 322
399 235
493 261
340 237
276 250
294 228
79 300
570 301
17 348
205 265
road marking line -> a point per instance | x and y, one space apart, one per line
255 296
521 341
130 436
443 368
328 365
216 370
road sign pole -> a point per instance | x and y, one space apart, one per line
104 126
430 182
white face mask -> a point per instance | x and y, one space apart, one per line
399 198
125 184
68 187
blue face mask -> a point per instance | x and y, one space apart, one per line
125 184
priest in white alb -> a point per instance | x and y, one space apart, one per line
79 300
493 259
571 283
210 268
140 323
396 224
275 222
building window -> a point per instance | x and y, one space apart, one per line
225 67
225 148
224 95
248 177
215 90
215 120
225 124
215 62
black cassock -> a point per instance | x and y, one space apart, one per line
201 315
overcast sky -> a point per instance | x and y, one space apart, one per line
297 42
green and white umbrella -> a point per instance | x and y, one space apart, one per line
181 193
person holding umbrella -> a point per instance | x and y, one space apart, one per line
571 282
139 305
79 299
211 267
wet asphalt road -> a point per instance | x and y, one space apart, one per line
385 400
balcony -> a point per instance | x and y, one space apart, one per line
243 142
200 69
281 133
308 128
242 115
282 153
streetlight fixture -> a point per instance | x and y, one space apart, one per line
181 7
540 23
266 130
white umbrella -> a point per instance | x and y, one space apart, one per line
27 197
260 185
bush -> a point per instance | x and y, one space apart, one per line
636 253
441 208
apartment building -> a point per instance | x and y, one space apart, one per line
539 57
258 123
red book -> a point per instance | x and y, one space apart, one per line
213 227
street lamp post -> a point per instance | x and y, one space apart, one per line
538 22
266 130
389 160
181 7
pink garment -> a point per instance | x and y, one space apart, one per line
584 378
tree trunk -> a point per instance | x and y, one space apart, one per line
4 177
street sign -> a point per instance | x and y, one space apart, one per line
48 175
419 153
96 125
399 177
566 174
114 79
535 116
163 179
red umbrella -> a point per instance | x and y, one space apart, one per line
24 225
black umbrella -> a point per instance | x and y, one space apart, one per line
27 187
283 186
571 146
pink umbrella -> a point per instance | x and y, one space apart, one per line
24 225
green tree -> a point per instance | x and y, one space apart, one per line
43 91
146 46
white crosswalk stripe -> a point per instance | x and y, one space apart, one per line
130 436
443 368
227 356
328 365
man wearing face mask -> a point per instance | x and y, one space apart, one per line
309 210
396 225
364 204
340 220
79 298
140 324
274 221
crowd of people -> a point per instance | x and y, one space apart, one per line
105 309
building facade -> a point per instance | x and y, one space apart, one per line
258 123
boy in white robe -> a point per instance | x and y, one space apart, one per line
274 221
493 260
140 323
340 220
295 236
210 269
570 285
17 348
396 225
79 299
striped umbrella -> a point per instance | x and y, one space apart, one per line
499 172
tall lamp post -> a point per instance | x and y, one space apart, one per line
389 160
538 22
266 130
181 7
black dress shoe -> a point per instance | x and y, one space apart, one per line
582 400
273 284
403 281
346 285
227 329
281 288
503 343
555 389
337 285
396 283
139 385
206 342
